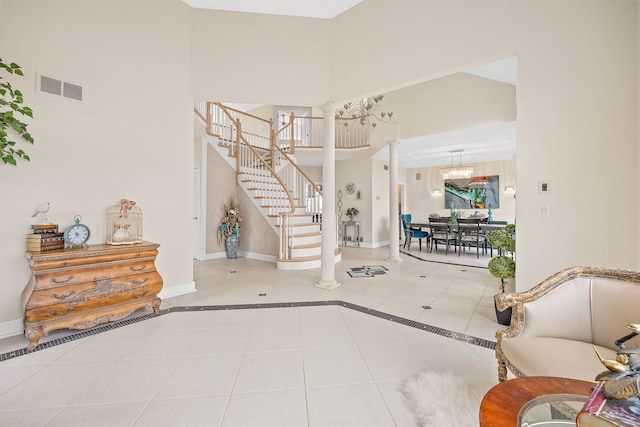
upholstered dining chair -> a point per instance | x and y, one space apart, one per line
470 234
440 231
412 233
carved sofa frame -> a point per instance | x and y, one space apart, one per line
555 325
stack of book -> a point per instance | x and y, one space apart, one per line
45 237
601 412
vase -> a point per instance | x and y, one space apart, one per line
233 242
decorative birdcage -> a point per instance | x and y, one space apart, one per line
124 223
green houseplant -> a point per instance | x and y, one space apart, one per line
11 102
503 266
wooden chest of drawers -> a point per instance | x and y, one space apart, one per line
82 288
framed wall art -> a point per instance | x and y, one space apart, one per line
478 192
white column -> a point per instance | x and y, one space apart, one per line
328 263
394 234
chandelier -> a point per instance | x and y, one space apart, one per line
456 172
363 112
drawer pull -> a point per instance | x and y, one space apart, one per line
141 295
63 297
55 312
132 268
139 282
54 280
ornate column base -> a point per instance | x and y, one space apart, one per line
327 284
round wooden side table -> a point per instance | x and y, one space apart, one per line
501 405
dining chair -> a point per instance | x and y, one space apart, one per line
470 234
412 233
441 231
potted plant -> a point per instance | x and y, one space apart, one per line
229 228
11 102
503 266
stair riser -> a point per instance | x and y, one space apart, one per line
306 240
305 252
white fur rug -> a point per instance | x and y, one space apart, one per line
445 399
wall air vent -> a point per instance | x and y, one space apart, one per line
418 176
58 87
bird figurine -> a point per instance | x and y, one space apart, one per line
621 381
42 210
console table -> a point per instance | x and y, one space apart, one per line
83 287
356 226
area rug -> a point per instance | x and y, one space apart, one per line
367 271
444 399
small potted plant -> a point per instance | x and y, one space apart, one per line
352 213
503 266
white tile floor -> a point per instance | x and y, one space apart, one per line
289 366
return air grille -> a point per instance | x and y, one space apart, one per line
57 87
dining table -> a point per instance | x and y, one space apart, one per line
456 228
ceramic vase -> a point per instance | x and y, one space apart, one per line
233 242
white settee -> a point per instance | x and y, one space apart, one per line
556 324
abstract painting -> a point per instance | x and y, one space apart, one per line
478 192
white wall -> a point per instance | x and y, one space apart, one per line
131 138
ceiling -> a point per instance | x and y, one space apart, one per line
325 9
482 144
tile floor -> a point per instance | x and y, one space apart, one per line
316 364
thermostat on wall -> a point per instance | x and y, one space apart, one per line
544 186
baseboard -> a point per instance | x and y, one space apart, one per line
11 328
244 254
175 290
375 244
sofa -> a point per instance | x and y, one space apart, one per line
556 324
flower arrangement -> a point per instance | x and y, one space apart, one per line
351 212
230 222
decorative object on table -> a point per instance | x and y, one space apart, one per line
434 215
12 102
350 188
76 235
124 223
42 210
473 193
616 400
477 215
367 271
352 213
454 215
503 266
229 228
45 240
490 213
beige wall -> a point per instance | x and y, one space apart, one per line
421 202
454 102
576 108
131 137
576 102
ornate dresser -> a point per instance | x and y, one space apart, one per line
84 287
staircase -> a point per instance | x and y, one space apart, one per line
266 171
